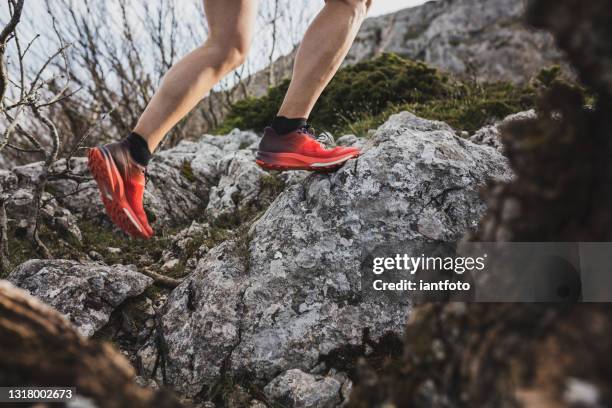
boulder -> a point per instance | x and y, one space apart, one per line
238 186
350 140
181 178
86 293
288 293
19 206
490 135
298 389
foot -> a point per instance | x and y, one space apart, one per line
121 182
299 150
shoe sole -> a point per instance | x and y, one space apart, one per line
112 192
294 161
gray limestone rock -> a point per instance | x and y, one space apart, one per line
297 389
86 293
289 292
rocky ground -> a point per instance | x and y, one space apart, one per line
251 292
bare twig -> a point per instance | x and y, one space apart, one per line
6 136
5 34
274 23
161 279
41 183
23 149
4 250
83 138
59 197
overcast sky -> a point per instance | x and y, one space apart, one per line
388 6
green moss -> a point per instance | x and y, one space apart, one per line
361 90
475 105
363 96
553 76
96 237
187 171
469 108
52 190
271 186
100 239
19 251
548 76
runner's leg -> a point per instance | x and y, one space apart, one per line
288 144
230 25
323 49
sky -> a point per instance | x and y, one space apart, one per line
387 6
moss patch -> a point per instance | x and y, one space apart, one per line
114 247
363 96
187 171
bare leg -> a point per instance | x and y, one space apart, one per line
323 49
231 29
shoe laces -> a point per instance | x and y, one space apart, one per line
324 138
307 130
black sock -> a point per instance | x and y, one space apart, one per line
139 148
283 125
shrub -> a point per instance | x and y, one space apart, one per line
362 96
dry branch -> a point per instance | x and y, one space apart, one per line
7 32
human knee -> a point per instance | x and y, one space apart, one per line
236 56
233 50
358 6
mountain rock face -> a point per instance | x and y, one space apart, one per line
482 39
485 39
288 294
86 293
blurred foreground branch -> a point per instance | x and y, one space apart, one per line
38 347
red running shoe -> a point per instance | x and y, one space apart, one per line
121 182
299 150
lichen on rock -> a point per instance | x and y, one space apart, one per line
288 292
86 293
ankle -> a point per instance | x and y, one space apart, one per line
283 125
139 148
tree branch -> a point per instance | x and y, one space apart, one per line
17 6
